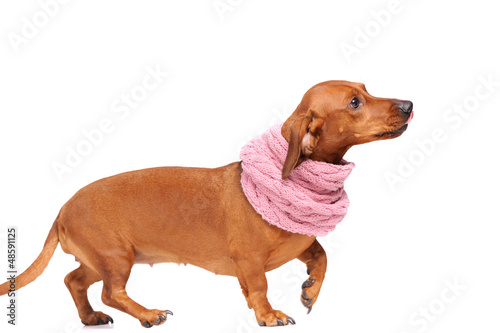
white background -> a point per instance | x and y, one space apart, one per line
231 75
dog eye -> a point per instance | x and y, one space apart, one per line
355 103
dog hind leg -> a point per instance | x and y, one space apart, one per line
78 282
115 273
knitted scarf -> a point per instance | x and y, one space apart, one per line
311 201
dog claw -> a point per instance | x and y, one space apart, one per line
275 318
101 318
308 271
306 301
307 283
161 319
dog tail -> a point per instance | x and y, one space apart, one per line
37 267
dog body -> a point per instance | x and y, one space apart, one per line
201 216
162 215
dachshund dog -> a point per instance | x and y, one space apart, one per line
202 217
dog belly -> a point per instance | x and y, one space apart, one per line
221 265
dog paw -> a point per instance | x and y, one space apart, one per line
97 318
275 318
157 318
310 292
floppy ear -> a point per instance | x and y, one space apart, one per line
304 135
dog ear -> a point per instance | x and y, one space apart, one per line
304 135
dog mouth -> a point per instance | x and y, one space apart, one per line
398 132
392 134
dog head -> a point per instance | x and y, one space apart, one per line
333 116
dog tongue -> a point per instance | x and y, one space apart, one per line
410 118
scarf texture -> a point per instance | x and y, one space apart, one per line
311 201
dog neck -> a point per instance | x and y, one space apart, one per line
311 201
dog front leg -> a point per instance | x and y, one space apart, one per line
253 283
315 259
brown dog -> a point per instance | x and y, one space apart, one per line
202 217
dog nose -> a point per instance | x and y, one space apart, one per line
406 107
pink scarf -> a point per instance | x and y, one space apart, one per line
311 201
